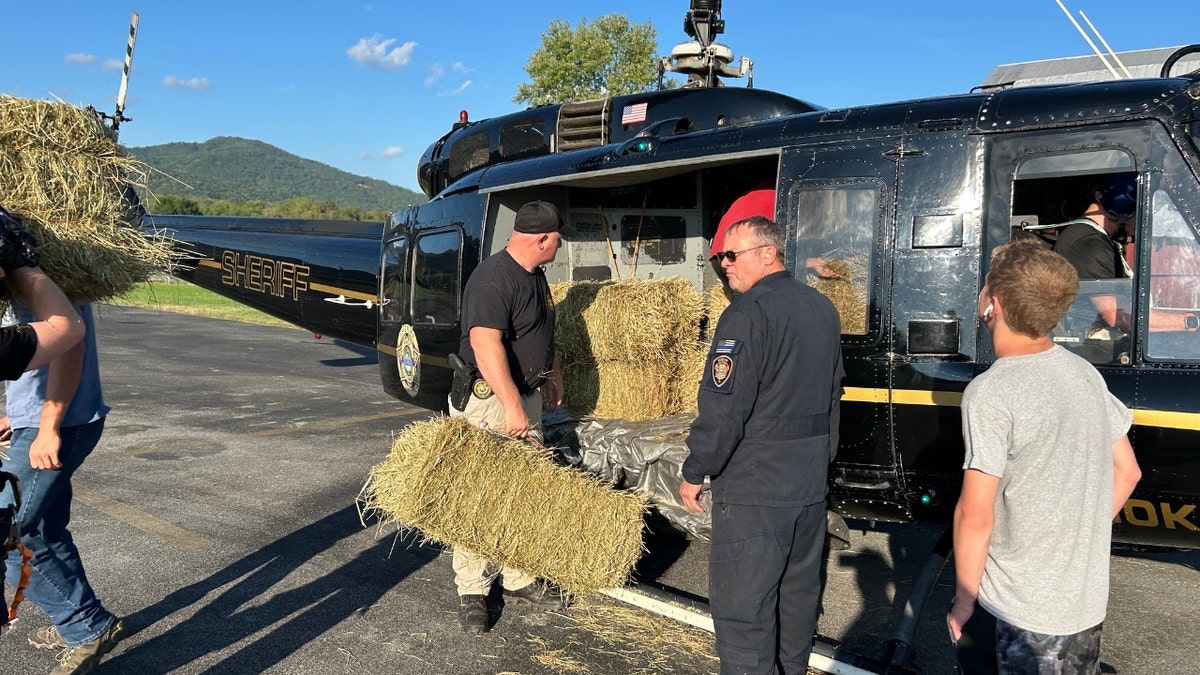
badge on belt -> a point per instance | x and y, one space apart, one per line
481 389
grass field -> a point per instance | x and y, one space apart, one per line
178 296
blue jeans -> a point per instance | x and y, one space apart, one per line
58 584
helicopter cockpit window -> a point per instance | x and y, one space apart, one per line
436 272
469 153
1174 284
523 138
834 232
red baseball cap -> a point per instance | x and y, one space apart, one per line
758 201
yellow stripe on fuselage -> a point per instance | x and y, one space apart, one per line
425 358
1167 419
334 290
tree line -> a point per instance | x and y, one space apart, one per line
305 208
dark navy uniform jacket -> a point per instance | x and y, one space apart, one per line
770 400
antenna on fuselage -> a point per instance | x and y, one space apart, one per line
1105 43
1088 39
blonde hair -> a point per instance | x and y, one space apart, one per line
1035 285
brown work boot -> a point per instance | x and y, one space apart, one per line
473 614
85 657
47 637
541 594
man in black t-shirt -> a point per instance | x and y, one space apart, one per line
508 337
1094 245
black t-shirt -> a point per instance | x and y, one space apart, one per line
18 344
1092 252
500 294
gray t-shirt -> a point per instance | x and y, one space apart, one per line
1045 424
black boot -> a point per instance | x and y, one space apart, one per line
473 614
541 594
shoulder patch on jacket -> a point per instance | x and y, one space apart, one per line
722 364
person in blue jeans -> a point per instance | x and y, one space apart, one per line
55 417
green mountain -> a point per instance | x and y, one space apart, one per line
238 169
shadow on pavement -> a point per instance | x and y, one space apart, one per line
366 356
298 615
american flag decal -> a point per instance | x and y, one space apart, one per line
632 114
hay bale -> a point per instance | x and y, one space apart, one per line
64 174
716 301
630 321
848 293
687 383
625 345
612 390
509 502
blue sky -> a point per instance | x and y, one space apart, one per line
367 87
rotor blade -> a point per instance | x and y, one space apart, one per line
133 24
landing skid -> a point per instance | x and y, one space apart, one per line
827 655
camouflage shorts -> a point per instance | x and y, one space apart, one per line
1023 651
994 646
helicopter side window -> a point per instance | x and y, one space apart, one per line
834 233
1051 209
1174 284
523 138
469 153
436 278
395 284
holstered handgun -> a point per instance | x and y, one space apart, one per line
460 386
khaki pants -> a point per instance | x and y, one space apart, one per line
471 570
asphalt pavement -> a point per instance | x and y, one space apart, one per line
218 517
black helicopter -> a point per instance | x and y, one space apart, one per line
918 191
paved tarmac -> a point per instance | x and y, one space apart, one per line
218 517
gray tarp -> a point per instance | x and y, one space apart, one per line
641 456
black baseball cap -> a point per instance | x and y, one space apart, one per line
540 217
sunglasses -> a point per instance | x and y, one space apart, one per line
731 256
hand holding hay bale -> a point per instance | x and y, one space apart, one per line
509 502
65 175
846 290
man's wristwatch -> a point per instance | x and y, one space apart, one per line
1192 321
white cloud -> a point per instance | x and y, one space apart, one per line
436 71
388 153
114 64
196 83
375 52
461 88
459 67
80 58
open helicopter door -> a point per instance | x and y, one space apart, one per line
837 202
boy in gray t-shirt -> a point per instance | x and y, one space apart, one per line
1047 466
